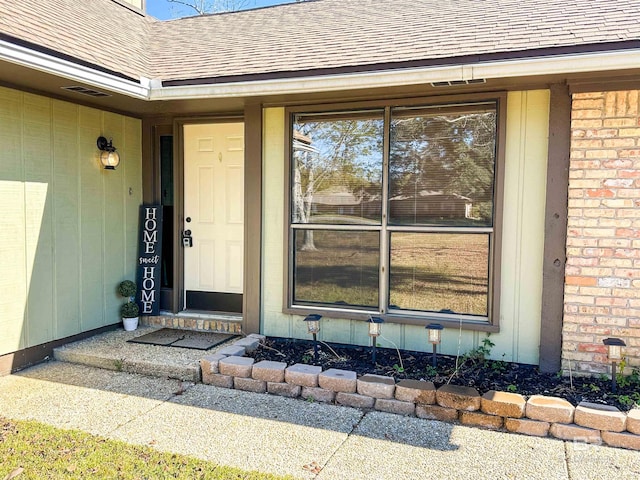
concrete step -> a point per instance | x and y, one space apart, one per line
111 351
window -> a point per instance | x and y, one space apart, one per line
393 211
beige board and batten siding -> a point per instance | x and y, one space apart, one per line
522 244
68 230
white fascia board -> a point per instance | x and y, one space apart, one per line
562 64
42 62
324 83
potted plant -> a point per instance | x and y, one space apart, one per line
129 311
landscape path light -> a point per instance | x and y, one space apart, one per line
375 329
313 327
435 337
614 347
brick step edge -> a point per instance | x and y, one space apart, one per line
195 324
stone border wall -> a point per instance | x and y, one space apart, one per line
539 415
602 276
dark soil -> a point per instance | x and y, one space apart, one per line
473 371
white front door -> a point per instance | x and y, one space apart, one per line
214 215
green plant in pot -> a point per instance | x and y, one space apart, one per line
129 311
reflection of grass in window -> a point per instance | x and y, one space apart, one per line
343 268
439 271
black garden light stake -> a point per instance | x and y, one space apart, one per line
375 327
614 346
435 334
313 327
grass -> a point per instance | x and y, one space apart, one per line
32 450
440 271
429 272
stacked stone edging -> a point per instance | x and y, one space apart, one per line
538 416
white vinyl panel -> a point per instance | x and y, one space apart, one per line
234 195
205 144
206 263
205 194
235 143
234 275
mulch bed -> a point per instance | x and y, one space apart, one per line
473 371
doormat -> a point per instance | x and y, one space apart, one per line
169 337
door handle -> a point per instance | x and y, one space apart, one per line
187 240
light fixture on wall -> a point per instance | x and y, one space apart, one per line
109 158
435 337
375 330
614 347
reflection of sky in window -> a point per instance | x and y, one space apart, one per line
351 146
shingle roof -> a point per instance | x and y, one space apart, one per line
98 32
336 33
316 35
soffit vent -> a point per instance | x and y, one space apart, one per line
455 83
86 91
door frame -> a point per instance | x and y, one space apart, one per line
198 296
178 214
253 121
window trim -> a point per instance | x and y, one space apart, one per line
463 321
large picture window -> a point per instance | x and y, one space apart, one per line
393 211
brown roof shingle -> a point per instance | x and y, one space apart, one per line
326 34
317 35
98 32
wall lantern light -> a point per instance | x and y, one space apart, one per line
109 158
614 347
435 337
313 327
375 329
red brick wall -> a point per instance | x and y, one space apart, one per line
602 285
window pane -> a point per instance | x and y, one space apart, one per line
337 169
440 272
441 166
336 267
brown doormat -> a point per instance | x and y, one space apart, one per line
169 337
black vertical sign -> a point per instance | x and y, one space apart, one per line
149 259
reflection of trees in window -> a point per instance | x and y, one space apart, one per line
436 248
337 170
441 167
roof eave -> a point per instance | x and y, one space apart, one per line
44 62
567 64
145 89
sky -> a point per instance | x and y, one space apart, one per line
164 10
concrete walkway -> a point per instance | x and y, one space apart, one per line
287 436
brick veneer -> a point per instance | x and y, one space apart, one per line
192 323
538 416
602 283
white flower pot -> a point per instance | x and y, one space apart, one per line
130 324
